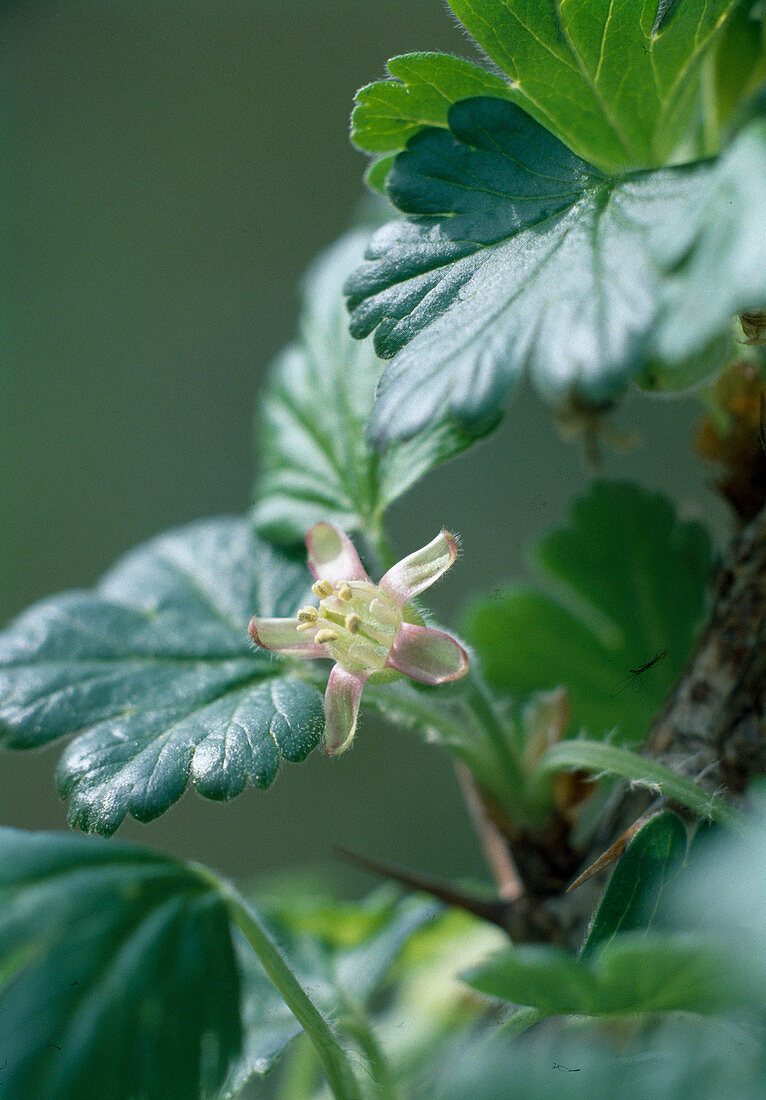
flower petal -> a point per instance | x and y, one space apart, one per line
282 636
332 556
429 656
341 707
419 570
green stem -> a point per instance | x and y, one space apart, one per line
479 702
375 534
595 756
340 1075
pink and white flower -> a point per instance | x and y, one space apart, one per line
363 626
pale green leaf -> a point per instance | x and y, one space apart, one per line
314 461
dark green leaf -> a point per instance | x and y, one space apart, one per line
647 972
155 676
650 863
422 88
520 256
315 463
616 81
630 581
117 973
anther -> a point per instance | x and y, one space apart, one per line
345 592
305 626
322 589
353 623
307 615
325 635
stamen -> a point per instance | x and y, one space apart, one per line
325 635
353 623
305 626
322 589
345 592
307 615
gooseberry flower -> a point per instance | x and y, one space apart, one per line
363 626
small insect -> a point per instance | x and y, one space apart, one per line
633 679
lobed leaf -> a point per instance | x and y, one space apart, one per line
616 80
419 92
628 580
314 461
518 256
154 676
104 949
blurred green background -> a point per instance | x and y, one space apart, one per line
171 167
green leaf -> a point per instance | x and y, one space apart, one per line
315 464
650 863
739 64
629 583
122 980
616 80
422 88
339 951
676 1056
519 256
726 235
634 972
595 756
154 675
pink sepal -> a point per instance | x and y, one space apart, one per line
332 556
429 656
341 708
419 570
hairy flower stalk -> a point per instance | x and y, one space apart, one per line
363 626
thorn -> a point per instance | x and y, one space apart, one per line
496 911
613 853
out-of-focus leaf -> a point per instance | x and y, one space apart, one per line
639 881
314 461
616 81
338 950
717 256
629 579
518 256
117 974
154 675
634 972
684 1057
